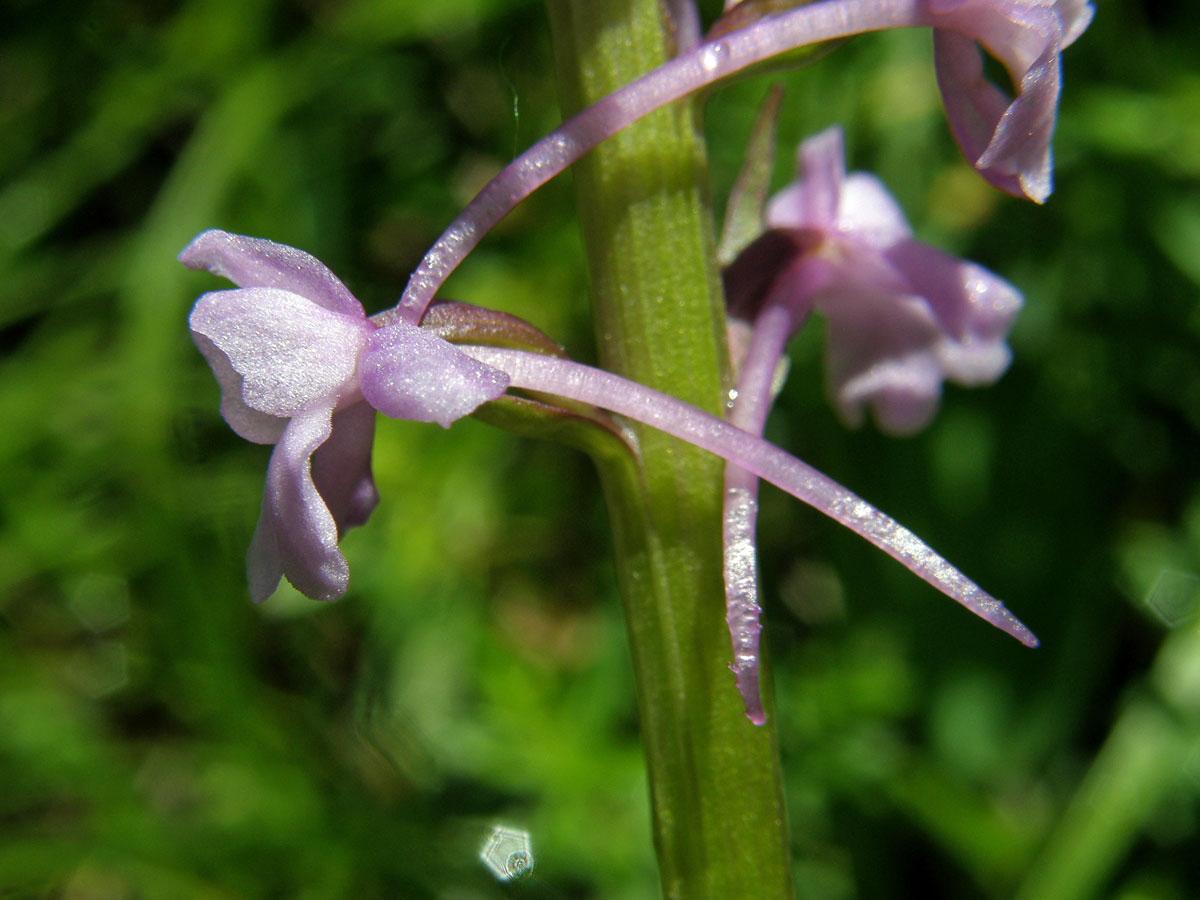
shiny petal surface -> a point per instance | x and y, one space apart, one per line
341 467
254 262
408 373
1006 138
812 200
289 352
822 159
297 533
1020 146
1076 16
824 197
974 106
868 214
974 308
246 422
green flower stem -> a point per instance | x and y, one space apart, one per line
719 820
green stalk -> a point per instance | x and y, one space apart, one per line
719 820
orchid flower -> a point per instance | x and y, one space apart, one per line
301 366
1007 139
901 318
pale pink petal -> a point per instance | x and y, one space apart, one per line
1021 145
1076 15
255 262
974 308
409 373
974 106
246 422
902 316
1015 32
297 533
822 160
880 352
289 352
868 213
1007 139
902 320
341 467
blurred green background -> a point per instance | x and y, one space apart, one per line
160 737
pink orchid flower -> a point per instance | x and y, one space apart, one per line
302 367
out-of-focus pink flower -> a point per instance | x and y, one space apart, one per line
902 316
302 367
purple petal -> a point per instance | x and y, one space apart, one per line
902 321
1007 140
297 534
902 392
880 352
288 351
246 422
1021 145
341 467
812 200
1076 15
974 308
822 162
409 373
869 214
974 106
254 262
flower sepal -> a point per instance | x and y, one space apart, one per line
529 413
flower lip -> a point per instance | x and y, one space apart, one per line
301 366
